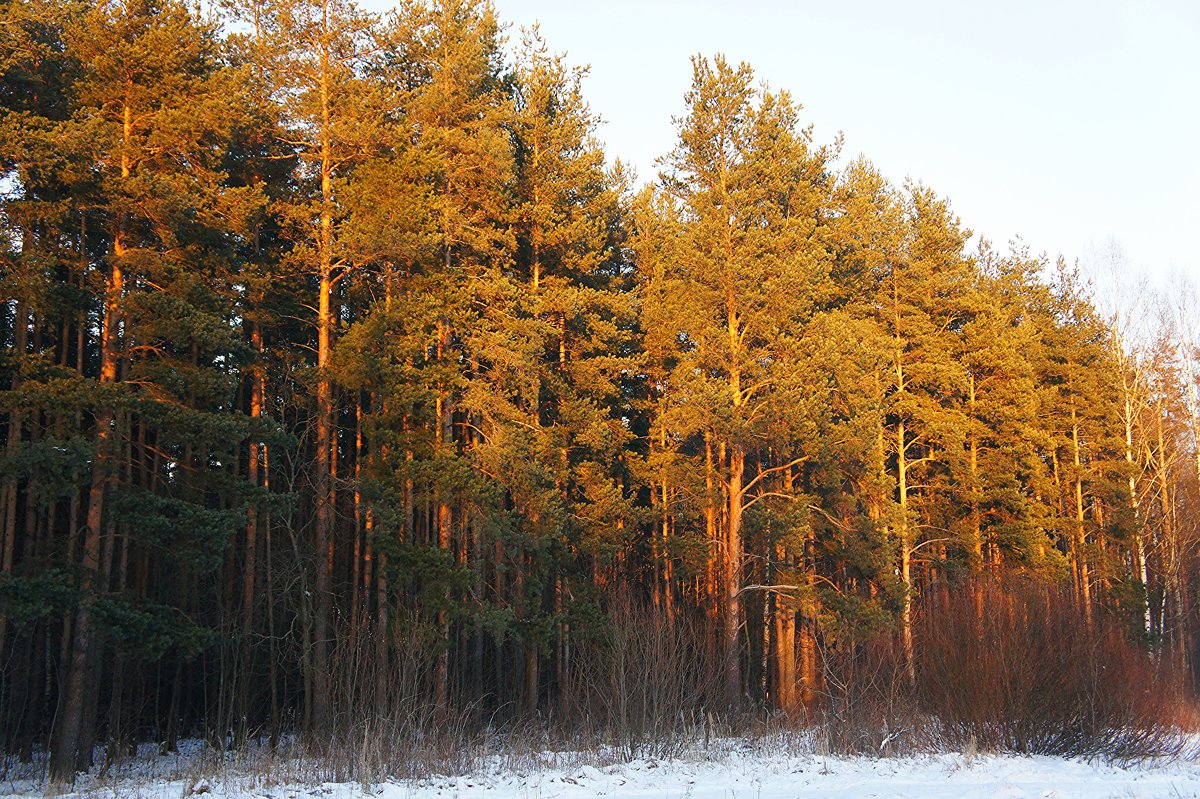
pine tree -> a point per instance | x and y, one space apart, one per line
991 480
569 302
747 187
922 307
141 153
315 54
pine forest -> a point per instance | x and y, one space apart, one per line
349 386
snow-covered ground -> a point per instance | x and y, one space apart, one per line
733 772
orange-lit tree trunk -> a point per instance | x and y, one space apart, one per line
323 490
904 532
784 649
77 705
1082 570
733 576
445 442
67 755
253 522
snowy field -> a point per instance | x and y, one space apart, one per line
732 773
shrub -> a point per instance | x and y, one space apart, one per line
1017 666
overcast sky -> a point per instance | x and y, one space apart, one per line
1070 123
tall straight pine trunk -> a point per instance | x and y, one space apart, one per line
77 704
325 495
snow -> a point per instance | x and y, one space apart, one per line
730 771
792 777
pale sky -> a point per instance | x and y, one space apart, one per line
1068 122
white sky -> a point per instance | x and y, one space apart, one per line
1069 122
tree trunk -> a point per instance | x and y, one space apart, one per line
1084 576
445 441
9 493
733 577
906 548
250 566
325 493
76 702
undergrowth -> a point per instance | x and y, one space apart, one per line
998 668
